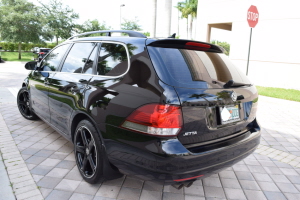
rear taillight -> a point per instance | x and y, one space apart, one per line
42 52
155 119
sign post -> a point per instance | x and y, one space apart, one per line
252 18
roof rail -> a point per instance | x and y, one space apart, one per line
108 33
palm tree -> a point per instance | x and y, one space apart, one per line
192 10
181 7
189 7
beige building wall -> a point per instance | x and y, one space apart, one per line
275 52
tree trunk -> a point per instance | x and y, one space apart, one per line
20 57
187 28
191 28
56 40
178 25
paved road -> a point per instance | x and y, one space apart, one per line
41 164
12 74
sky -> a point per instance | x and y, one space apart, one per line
109 11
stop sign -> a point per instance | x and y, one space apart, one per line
252 16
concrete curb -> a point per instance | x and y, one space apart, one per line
5 185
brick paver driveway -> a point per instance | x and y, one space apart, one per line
41 164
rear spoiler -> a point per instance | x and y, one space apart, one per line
185 44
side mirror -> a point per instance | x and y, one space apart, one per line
31 65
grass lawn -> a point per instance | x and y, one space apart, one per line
13 56
288 94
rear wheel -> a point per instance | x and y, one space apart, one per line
23 101
88 152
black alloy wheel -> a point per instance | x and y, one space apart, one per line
88 152
23 101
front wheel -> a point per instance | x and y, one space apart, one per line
88 152
23 101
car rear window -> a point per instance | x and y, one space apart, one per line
113 60
194 69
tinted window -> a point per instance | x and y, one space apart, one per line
88 67
77 57
194 69
112 60
52 60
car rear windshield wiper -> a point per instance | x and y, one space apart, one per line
241 84
231 83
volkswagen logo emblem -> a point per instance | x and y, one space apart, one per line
233 96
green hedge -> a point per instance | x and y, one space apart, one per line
225 45
9 46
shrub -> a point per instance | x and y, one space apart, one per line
11 46
23 46
51 46
26 46
5 46
225 45
147 34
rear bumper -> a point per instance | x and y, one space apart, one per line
177 162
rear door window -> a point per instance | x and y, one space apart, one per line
88 67
194 69
77 57
113 60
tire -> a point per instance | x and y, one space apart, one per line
23 101
88 152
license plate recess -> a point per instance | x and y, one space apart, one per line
229 114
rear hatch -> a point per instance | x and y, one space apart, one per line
218 101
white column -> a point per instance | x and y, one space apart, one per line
167 17
153 18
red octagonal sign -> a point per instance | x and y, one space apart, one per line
252 16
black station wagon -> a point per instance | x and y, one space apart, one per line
166 110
